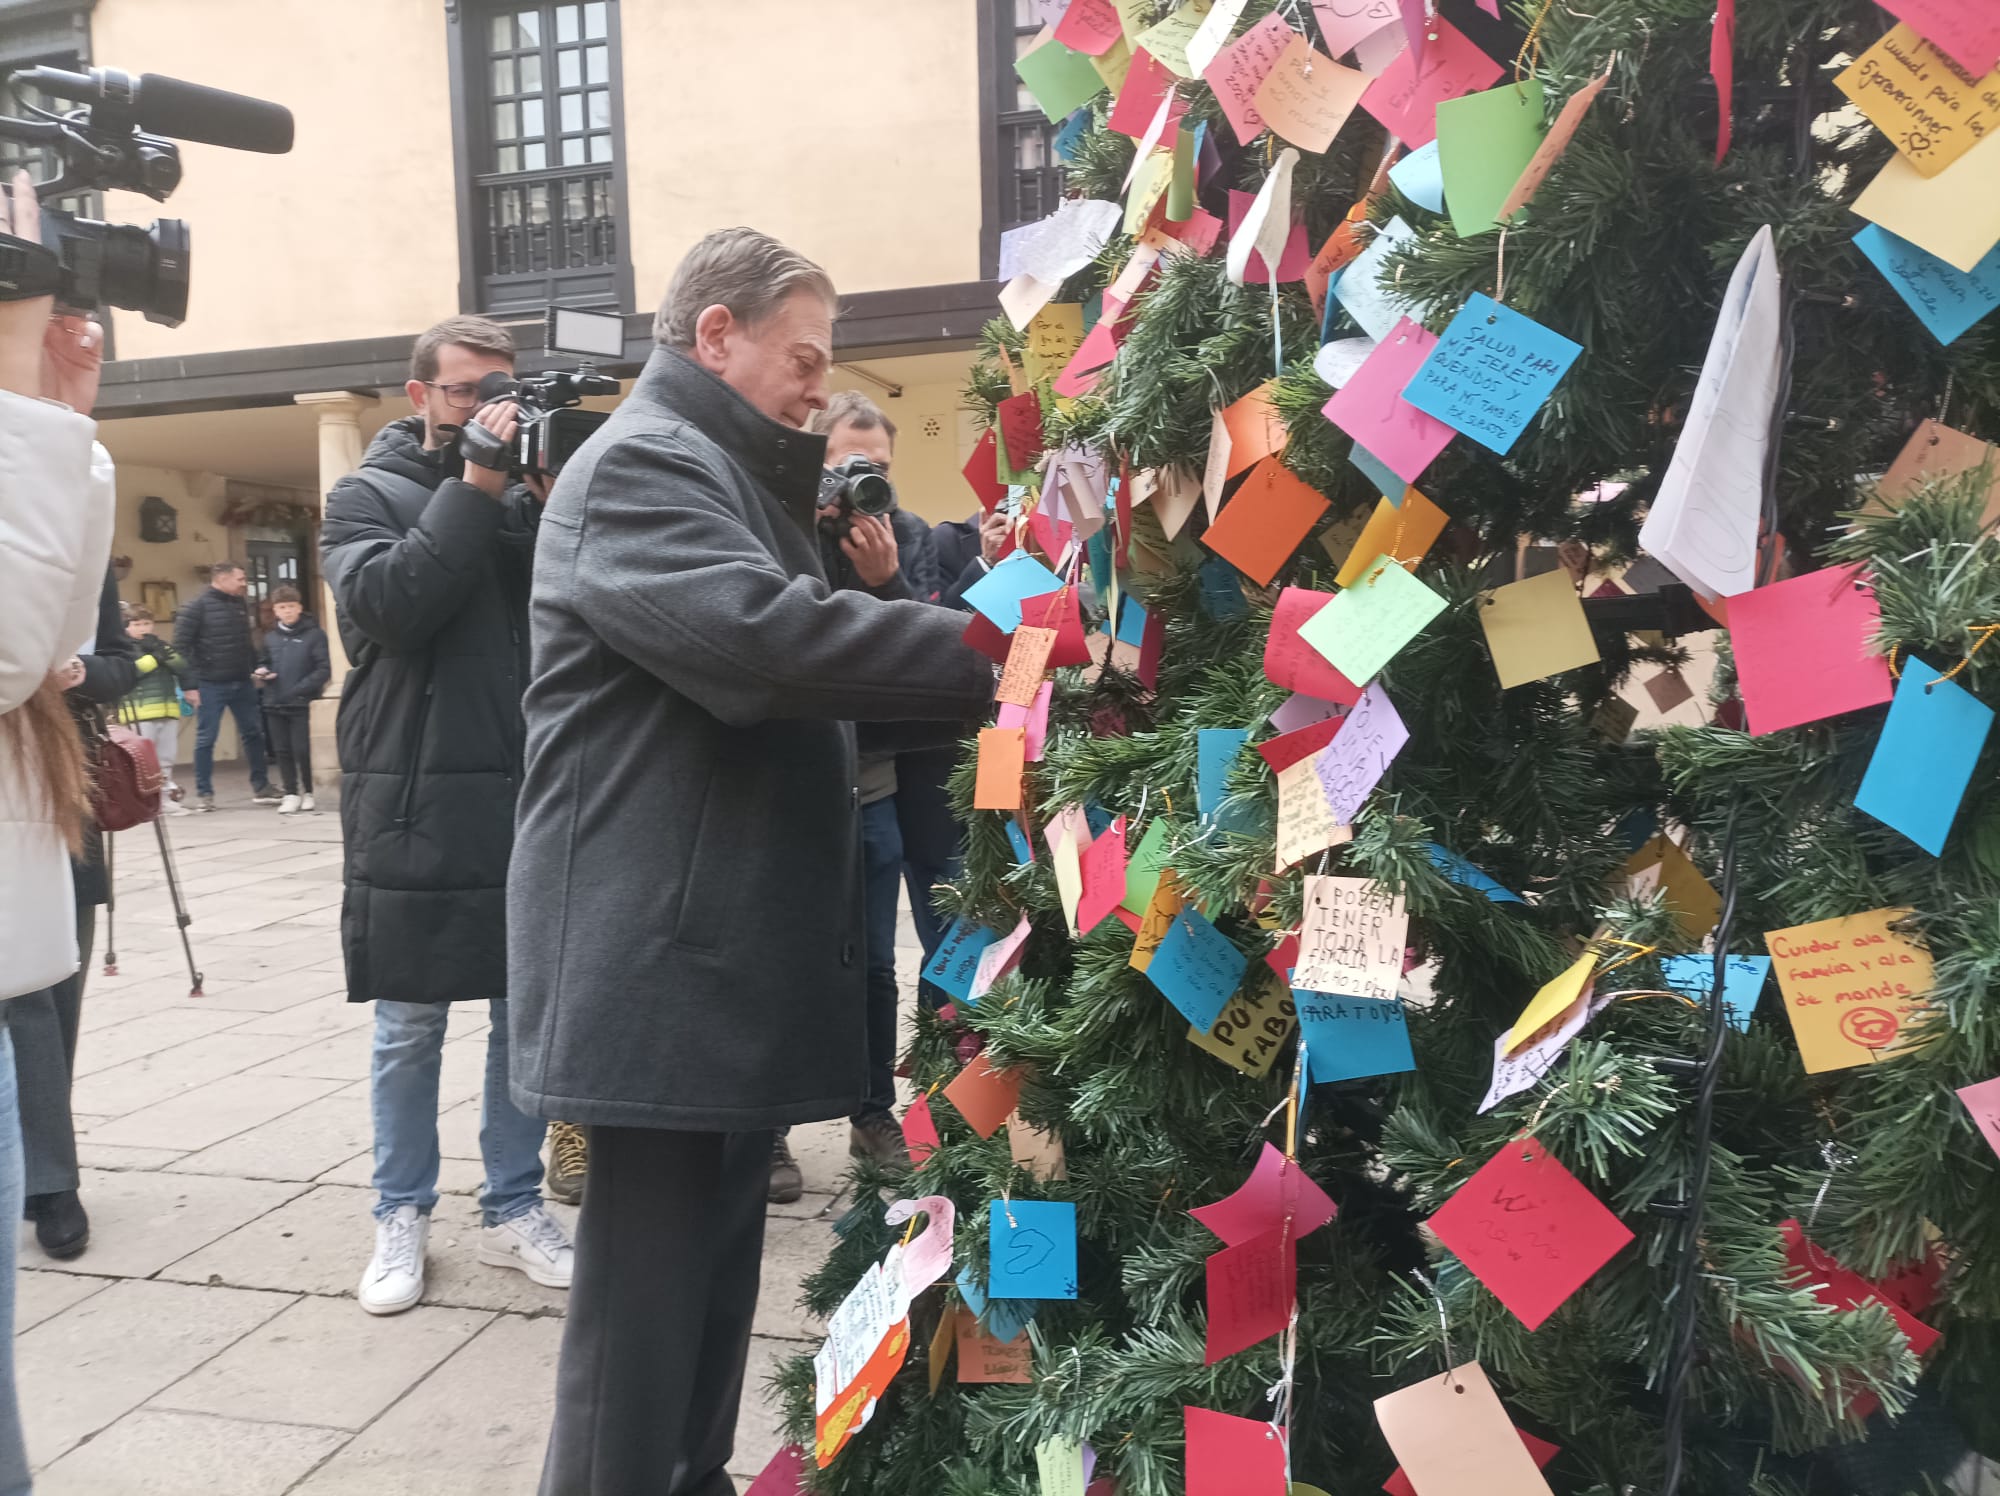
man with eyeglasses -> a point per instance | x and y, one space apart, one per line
429 557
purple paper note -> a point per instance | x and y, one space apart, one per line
1354 762
1299 710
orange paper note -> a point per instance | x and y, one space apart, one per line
1405 531
1455 1439
1027 664
1936 453
1851 986
1255 429
1307 96
1003 758
982 1358
1553 145
983 1095
1270 516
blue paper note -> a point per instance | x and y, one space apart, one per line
1351 1037
1215 751
1635 830
1420 177
1097 818
1378 473
1000 592
1131 621
1456 869
1742 982
1490 372
1023 852
1945 298
1071 133
1221 593
1197 968
1099 551
1033 1252
1925 756
957 959
1004 1319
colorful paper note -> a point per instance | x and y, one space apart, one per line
1146 87
1168 39
1251 1289
1556 997
1278 1191
999 594
1931 109
1967 30
1405 531
1372 409
1143 869
1059 79
1306 96
1066 861
1053 336
1539 1450
1376 308
1925 757
1033 1249
1036 1149
1254 1026
1455 1439
1936 453
999 958
785 1475
984 1358
983 1095
1370 621
1955 214
1003 755
1213 34
1343 23
1852 986
1197 968
1267 520
1456 869
1339 361
1294 258
957 960
1161 911
1294 664
1536 628
1305 822
1103 865
1216 751
920 1134
1406 96
1802 649
1350 767
1090 26
1947 301
1742 982
1027 663
1231 1456
1659 865
1349 1038
1485 141
1419 176
1839 1287
1351 939
1256 430
1240 67
1514 1073
1983 1102
1550 151
1530 1231
1059 1462
982 475
1490 373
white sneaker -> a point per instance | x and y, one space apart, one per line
531 1243
306 801
289 805
395 1277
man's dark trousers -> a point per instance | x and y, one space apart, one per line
668 1250
239 697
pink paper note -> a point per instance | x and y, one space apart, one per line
1291 662
1801 649
1967 31
1140 99
998 959
1291 264
1416 30
1370 407
1276 1188
928 1256
1301 710
784 1476
1343 23
1239 67
1722 68
1090 27
1983 1101
920 1134
1251 1289
1103 877
1360 754
1405 99
1034 718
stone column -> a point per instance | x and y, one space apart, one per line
340 450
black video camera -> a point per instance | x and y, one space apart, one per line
117 142
550 429
855 486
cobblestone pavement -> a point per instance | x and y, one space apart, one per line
208 1342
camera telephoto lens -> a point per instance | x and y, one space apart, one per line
870 493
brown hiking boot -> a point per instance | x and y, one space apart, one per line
568 1159
787 1182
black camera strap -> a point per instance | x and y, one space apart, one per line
28 269
482 448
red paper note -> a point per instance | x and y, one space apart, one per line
1529 1230
1020 418
1983 1101
1294 664
1255 429
1098 348
1270 516
1967 31
920 1134
1139 101
1060 611
1539 1450
1802 649
1251 1288
1199 233
984 635
1840 1287
1003 757
1229 1456
1278 1187
1370 407
1722 68
1292 264
1281 961
1152 645
1103 877
1242 65
1288 748
984 1096
1405 100
982 472
784 1476
1091 27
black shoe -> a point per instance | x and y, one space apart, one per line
265 796
787 1183
61 1226
879 1136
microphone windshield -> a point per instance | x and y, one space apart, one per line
211 116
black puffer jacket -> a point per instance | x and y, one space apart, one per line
430 581
213 632
298 657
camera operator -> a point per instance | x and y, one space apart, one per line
428 558
685 900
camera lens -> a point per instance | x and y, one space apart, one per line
870 493
143 270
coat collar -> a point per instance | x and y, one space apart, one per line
784 459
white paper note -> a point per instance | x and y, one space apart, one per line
1268 224
1336 362
1375 308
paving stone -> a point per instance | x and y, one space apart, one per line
455 1276
317 1243
141 1222
342 1056
275 992
476 1426
147 1033
184 1454
141 1083
324 1359
95 1155
320 1019
83 1370
760 1419
221 1109
39 1295
302 1144
792 1249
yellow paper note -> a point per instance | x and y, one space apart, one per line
1931 109
941 1343
1114 65
1536 628
1159 918
1054 333
1305 818
1660 864
1168 41
1404 531
1134 16
1307 96
1554 1000
1955 215
1148 189
1036 1149
1254 1026
1851 986
1069 877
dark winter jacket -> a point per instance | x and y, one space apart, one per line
684 912
298 657
430 584
956 559
109 671
213 632
912 579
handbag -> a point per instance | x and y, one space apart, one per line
125 789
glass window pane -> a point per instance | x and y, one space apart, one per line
506 122
600 109
534 157
1028 154
507 204
508 158
600 64
573 151
503 33
600 197
531 73
600 148
531 119
572 113
569 72
503 76
538 203
1024 16
593 19
530 22
566 23
573 199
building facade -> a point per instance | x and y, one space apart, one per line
473 156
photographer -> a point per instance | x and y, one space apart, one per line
684 902
428 560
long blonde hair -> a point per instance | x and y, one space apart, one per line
40 735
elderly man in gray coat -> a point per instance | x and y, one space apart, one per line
684 906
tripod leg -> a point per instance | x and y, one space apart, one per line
110 905
182 919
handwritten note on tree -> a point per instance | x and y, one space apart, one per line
1931 109
1253 1027
1851 986
1351 940
1360 754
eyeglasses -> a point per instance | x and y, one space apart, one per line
457 396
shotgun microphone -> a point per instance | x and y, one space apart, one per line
167 106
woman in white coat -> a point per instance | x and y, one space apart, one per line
55 538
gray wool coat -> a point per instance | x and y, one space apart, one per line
684 906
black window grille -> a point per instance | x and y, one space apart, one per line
1031 179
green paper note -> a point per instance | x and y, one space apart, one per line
1167 41
1143 868
1485 142
1180 187
1060 79
1370 621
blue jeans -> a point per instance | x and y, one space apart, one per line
881 884
13 1193
240 698
409 1049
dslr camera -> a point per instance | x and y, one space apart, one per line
117 141
855 486
550 427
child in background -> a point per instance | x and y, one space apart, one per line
293 669
154 707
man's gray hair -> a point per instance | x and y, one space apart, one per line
750 273
850 408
